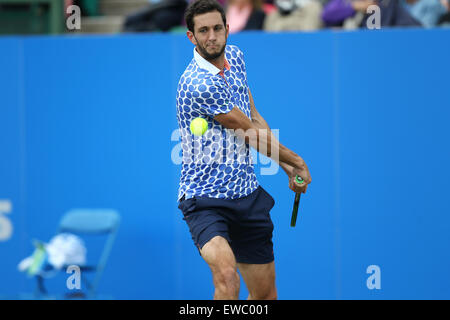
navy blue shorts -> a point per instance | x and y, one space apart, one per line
244 222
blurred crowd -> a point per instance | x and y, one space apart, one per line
299 15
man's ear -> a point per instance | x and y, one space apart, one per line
191 37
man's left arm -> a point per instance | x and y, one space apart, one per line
260 123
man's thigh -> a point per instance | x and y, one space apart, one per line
217 253
260 280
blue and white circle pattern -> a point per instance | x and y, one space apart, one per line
203 94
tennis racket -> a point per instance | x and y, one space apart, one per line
296 203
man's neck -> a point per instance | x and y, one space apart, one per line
219 62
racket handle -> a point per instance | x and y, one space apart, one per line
295 209
296 202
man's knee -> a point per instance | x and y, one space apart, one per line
267 294
227 276
266 290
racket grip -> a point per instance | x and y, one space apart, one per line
295 210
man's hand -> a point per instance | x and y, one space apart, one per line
303 172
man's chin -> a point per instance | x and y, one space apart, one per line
216 53
211 54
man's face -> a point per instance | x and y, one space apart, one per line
210 35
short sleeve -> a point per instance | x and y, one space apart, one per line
241 56
212 98
241 62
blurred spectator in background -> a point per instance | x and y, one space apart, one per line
392 13
444 20
295 15
245 15
427 12
336 12
160 15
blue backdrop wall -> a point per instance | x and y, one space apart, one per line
87 122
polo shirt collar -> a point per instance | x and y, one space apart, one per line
208 66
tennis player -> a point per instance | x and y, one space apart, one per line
225 208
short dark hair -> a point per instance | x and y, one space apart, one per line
198 7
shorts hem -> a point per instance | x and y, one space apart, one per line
201 244
251 261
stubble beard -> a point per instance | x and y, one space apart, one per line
209 56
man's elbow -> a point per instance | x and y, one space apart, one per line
235 119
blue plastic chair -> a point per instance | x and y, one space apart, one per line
88 222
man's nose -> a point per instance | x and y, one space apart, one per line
212 35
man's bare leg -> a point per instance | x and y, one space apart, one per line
220 258
260 280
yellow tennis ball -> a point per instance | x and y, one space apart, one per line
199 126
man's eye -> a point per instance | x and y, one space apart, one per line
203 30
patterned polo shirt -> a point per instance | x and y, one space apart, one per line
217 164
